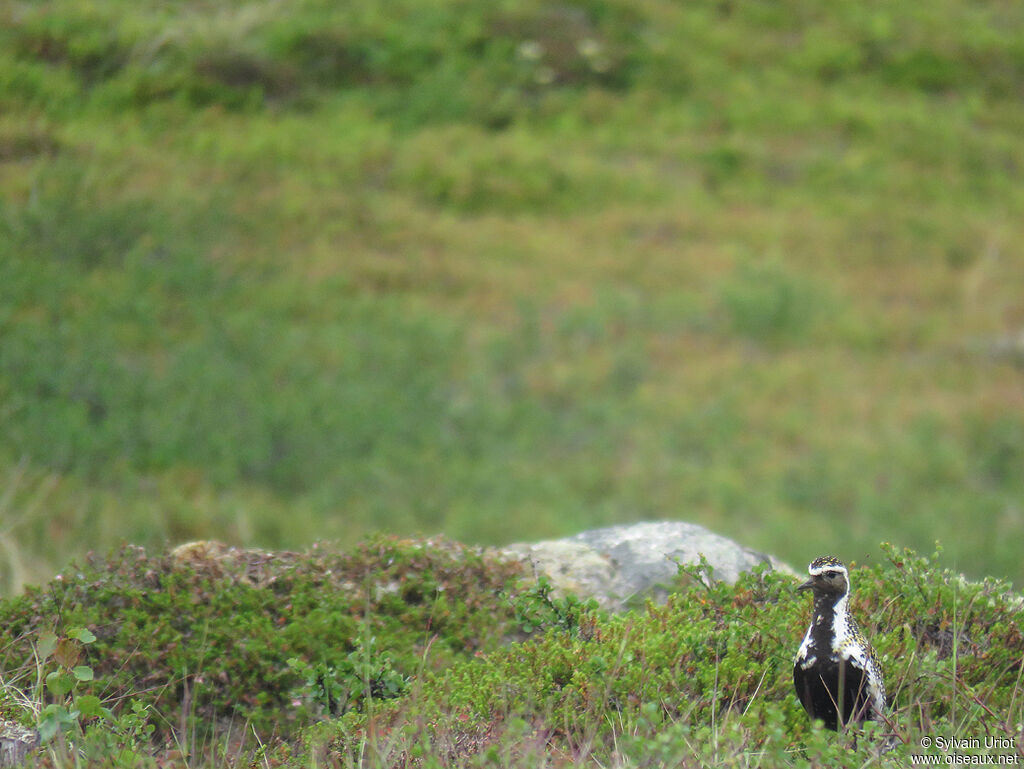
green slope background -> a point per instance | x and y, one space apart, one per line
274 273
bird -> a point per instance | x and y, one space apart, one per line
836 674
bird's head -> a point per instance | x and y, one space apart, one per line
829 577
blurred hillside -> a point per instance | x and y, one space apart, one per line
274 273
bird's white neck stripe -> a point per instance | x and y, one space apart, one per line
840 624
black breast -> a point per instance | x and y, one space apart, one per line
826 685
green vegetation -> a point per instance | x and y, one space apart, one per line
208 635
707 681
506 270
429 653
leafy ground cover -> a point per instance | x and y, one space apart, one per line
427 664
707 681
510 269
208 640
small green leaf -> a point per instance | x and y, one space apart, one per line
83 672
47 643
89 706
48 727
60 683
54 718
83 634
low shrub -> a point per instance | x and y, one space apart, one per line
208 634
707 680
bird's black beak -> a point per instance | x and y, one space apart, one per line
808 585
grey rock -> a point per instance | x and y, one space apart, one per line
1009 348
618 564
16 742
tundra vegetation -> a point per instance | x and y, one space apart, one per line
427 653
507 270
277 274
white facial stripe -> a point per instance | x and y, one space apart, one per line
814 572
